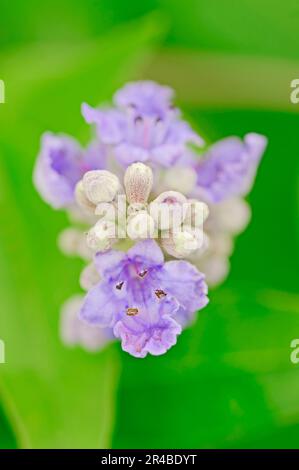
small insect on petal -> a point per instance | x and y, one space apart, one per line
119 285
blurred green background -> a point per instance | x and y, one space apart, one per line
229 382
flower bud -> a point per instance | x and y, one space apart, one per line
197 213
82 200
107 211
221 244
71 242
181 243
138 182
231 215
140 226
202 250
169 210
100 186
75 332
216 269
101 236
180 179
135 208
89 277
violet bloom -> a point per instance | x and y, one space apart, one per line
144 126
229 167
144 300
146 98
61 164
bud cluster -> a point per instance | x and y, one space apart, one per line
129 213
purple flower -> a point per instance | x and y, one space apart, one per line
142 138
146 98
61 164
144 300
144 126
229 167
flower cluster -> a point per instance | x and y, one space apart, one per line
170 217
153 210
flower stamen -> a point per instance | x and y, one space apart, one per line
132 311
160 293
143 273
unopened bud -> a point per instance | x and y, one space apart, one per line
101 236
169 210
181 243
135 208
197 213
141 225
216 269
180 179
107 211
74 331
71 242
231 215
82 200
221 244
100 186
89 277
202 250
138 181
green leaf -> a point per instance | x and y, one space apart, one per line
54 397
7 438
228 26
227 383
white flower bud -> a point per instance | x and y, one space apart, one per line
231 215
77 215
101 236
215 268
69 320
197 213
100 186
140 225
138 181
81 198
181 244
71 242
180 179
74 332
135 208
169 210
202 250
89 277
107 211
221 244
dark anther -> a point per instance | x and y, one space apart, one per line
138 119
119 285
132 311
160 293
142 273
